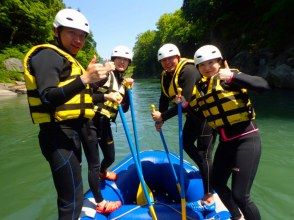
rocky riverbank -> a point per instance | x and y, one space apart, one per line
12 89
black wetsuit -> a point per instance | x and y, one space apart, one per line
238 154
60 142
102 124
195 128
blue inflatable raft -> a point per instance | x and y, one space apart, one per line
159 178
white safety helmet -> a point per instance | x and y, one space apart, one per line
122 51
205 53
167 50
71 18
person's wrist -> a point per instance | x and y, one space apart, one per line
230 79
185 104
84 79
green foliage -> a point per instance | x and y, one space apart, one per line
145 51
25 23
231 25
240 24
10 76
15 52
129 71
11 52
175 29
171 28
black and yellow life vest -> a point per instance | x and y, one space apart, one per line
109 108
223 107
174 84
80 106
193 101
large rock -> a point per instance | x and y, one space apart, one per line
4 92
282 76
13 64
16 88
278 69
245 62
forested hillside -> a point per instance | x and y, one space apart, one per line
24 23
260 28
237 25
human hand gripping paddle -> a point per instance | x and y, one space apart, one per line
183 199
167 153
147 192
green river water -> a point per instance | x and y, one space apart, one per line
26 187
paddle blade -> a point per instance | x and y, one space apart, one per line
141 199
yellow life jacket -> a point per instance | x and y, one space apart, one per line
174 84
79 106
109 108
223 107
193 101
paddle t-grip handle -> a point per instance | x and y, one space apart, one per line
152 106
179 90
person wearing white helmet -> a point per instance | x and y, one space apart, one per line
108 94
60 101
223 99
181 73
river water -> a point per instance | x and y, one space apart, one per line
26 187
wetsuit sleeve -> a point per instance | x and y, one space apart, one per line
171 112
98 97
166 113
254 83
163 102
188 77
48 67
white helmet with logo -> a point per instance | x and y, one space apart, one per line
167 50
71 18
122 51
207 52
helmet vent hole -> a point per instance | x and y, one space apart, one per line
70 19
214 51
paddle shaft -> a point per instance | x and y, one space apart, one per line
182 181
138 167
169 161
167 154
130 94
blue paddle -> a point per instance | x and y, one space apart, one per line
130 94
167 154
140 197
182 181
138 167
